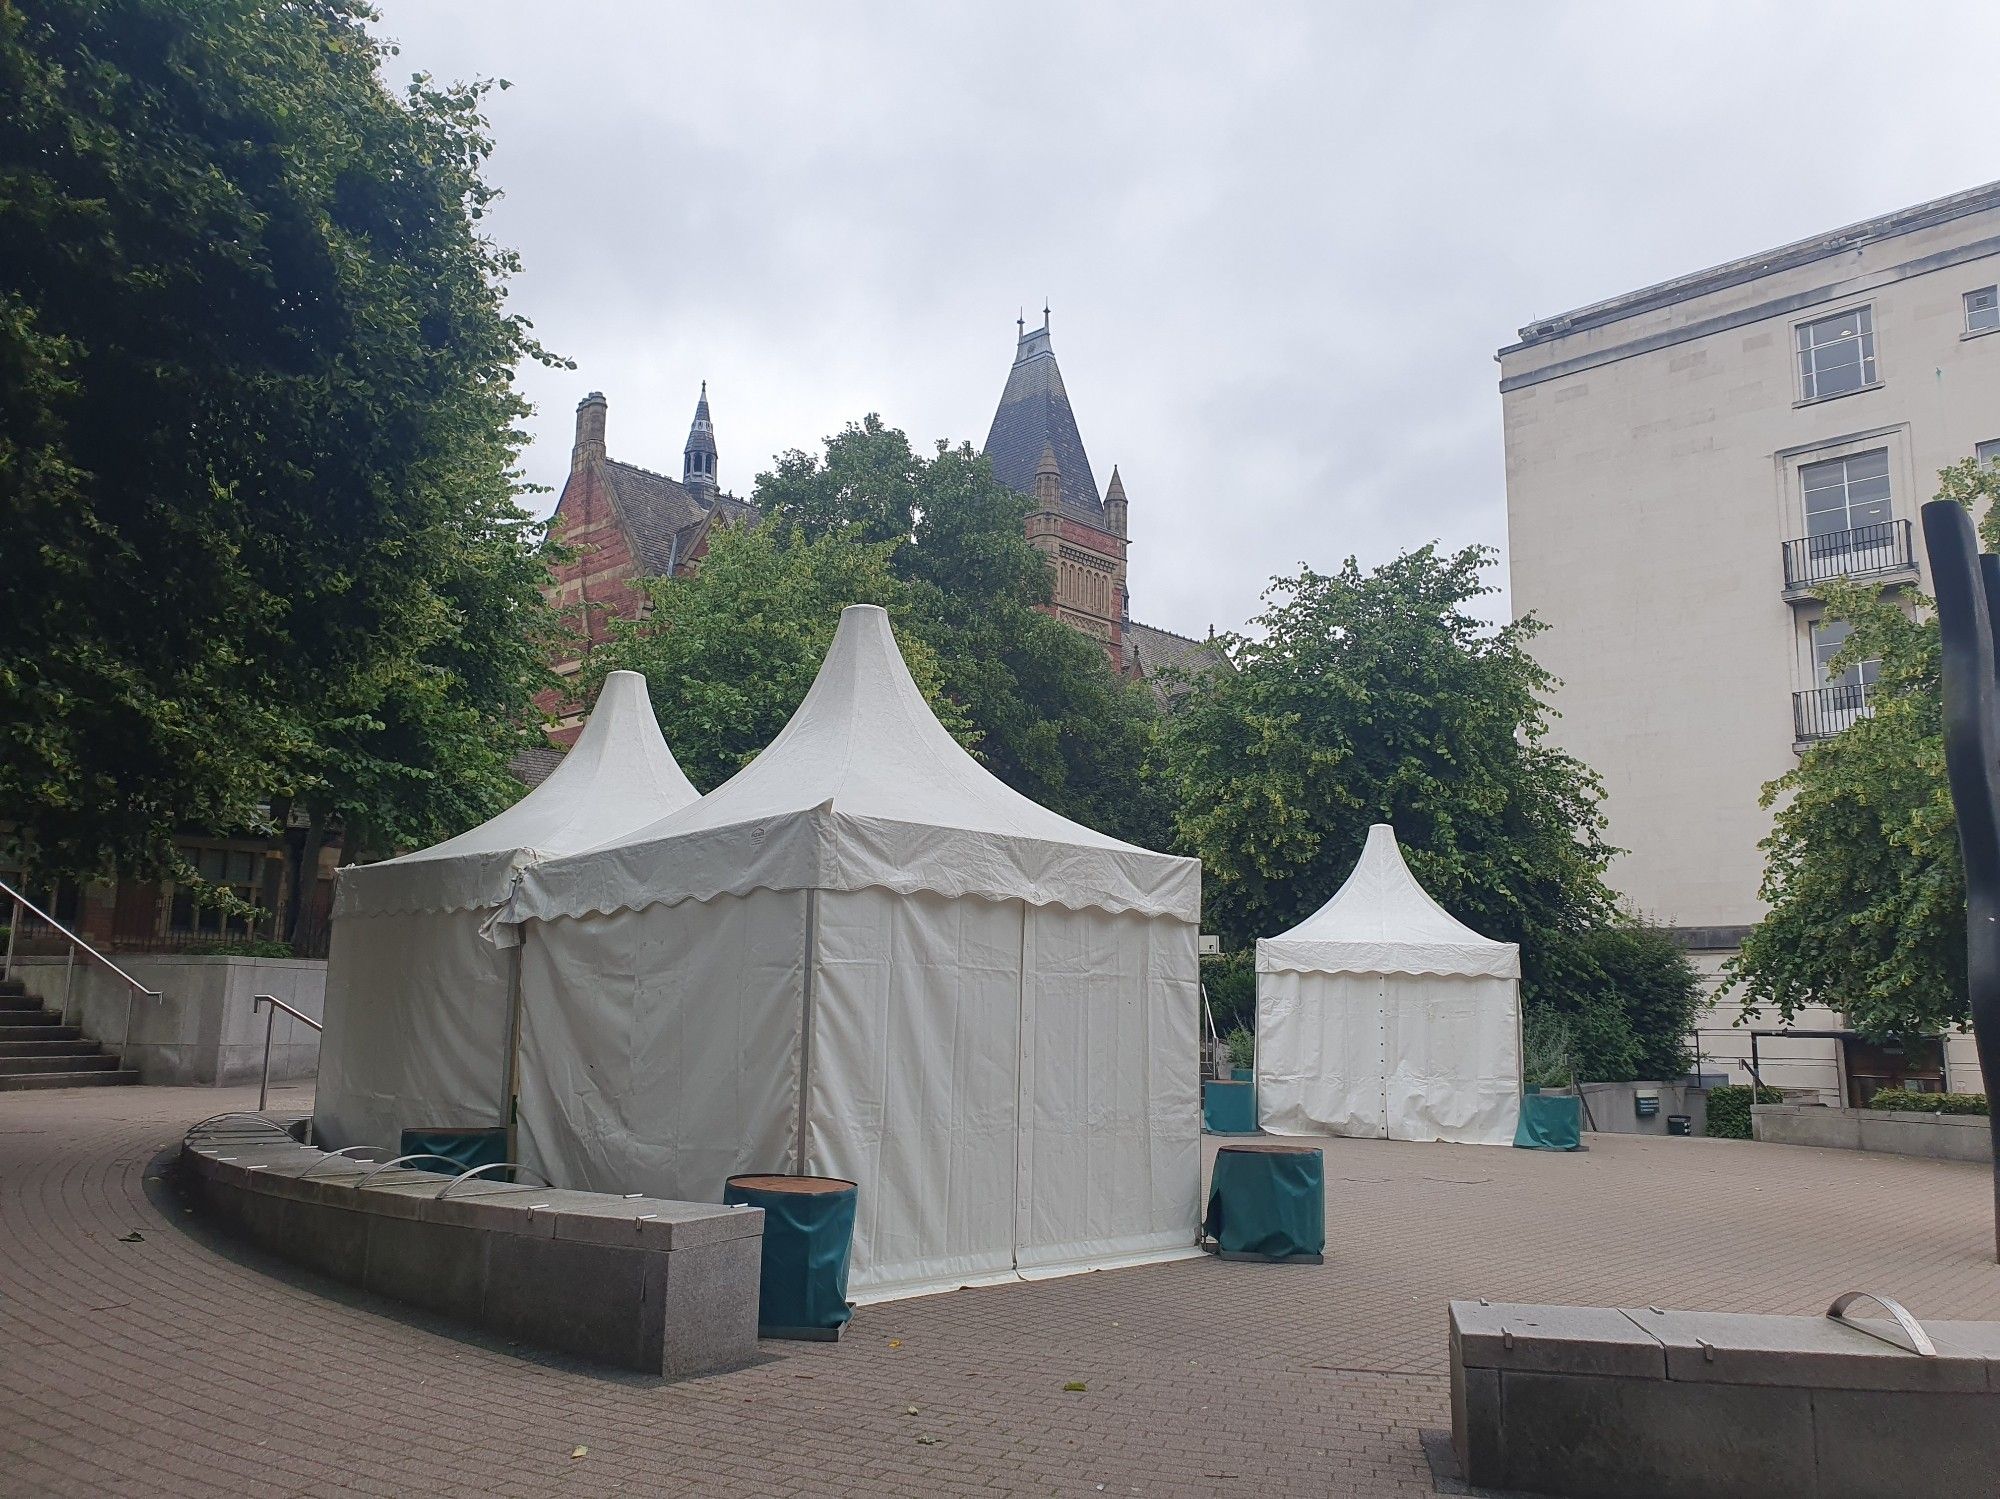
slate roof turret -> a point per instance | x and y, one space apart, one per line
1034 417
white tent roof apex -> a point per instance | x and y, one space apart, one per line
1382 921
864 787
618 775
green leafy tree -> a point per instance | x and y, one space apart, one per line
257 436
1053 720
1378 696
1865 893
729 653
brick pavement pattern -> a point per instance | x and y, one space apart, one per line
174 1363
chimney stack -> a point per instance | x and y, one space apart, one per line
589 431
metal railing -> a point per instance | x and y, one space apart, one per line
1858 553
1825 711
21 904
257 1002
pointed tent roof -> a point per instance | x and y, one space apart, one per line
1034 415
864 788
619 775
1383 921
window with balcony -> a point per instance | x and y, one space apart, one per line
1982 309
1824 711
1850 528
1837 354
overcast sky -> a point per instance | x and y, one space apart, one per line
1281 241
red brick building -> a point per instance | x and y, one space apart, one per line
624 523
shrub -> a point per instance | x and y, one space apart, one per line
247 948
1929 1103
1729 1109
1242 1047
1548 1050
1230 980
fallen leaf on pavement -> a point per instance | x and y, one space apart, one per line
1075 1384
578 1451
135 1237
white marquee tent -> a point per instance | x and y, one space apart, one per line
1381 1015
418 1003
866 957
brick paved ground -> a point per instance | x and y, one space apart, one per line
171 1366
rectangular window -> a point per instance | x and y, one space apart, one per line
1829 637
1837 354
236 871
1988 452
1982 309
1846 496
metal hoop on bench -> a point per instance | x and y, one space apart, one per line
482 1170
1920 1341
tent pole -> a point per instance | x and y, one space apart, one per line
806 1030
511 1086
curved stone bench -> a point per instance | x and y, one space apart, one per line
1632 1402
665 1287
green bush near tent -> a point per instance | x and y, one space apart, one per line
1930 1103
1729 1109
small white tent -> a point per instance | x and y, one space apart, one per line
1381 1015
866 957
418 1004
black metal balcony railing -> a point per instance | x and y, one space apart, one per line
1825 711
1859 553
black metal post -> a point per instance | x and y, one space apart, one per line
1967 585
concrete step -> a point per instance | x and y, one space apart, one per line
125 1076
77 1048
23 1066
10 1003
14 987
42 1027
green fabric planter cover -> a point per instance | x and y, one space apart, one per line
1229 1108
808 1232
1268 1201
468 1147
1242 1074
1550 1121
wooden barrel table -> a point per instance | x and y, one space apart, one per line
808 1232
1267 1201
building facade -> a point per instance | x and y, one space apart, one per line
1688 465
622 523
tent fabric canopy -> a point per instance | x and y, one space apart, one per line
620 775
865 957
418 1002
1381 1015
864 788
1383 921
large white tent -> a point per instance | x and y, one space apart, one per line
866 957
418 1003
1382 1015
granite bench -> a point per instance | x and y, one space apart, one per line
665 1287
1631 1402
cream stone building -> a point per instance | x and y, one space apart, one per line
1687 465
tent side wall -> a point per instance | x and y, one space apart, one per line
1110 1091
1320 1053
660 1047
415 1028
915 1042
1452 1046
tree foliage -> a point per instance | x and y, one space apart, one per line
1378 696
1862 880
257 435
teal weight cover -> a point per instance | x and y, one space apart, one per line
807 1239
468 1147
1550 1121
1267 1202
1229 1108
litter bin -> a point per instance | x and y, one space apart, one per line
1267 1201
1680 1124
808 1232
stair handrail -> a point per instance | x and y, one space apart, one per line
258 1001
133 987
21 900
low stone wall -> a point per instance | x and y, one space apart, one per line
665 1287
1938 1137
1592 1401
202 1030
1614 1107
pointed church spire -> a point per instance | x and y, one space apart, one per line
698 457
1114 503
